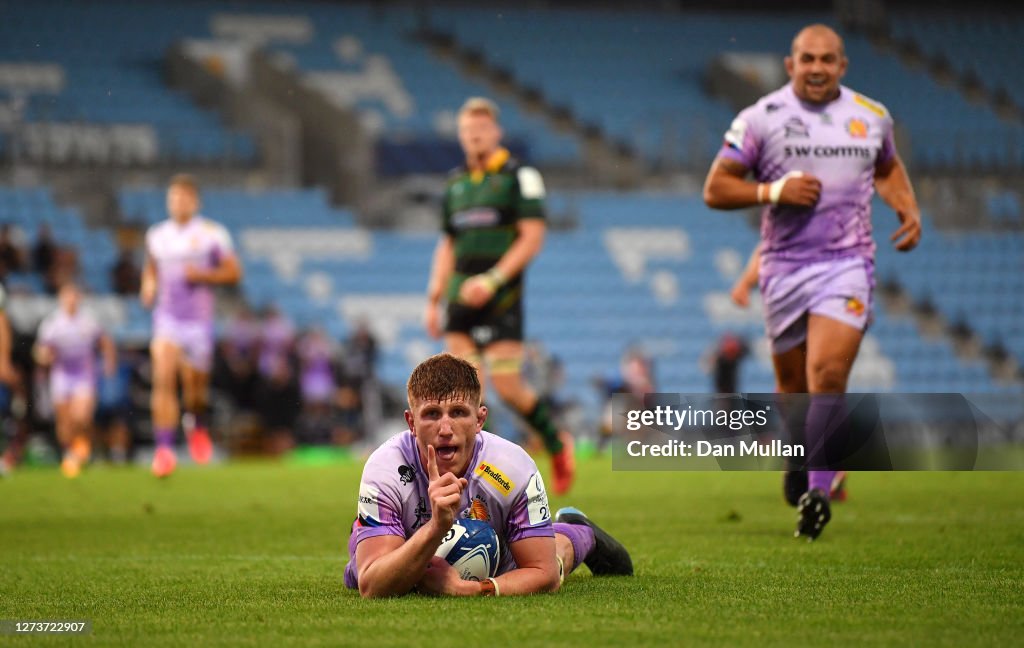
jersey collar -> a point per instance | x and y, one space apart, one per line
813 107
493 164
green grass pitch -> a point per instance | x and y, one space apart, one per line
252 554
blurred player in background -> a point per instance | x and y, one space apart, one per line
187 255
494 225
816 149
66 344
444 467
795 482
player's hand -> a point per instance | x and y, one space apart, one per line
476 291
444 493
741 293
432 320
194 274
43 355
801 191
442 579
908 235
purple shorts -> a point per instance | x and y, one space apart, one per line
65 385
840 289
194 338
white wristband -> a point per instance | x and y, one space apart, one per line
775 189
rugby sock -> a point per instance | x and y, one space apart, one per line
540 419
582 538
825 435
820 479
164 437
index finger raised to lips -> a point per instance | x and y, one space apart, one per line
432 473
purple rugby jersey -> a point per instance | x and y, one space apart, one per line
200 243
840 143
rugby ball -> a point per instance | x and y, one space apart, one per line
472 548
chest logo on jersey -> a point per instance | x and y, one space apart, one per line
494 476
858 152
479 217
795 127
857 128
406 474
477 510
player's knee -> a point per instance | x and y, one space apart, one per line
829 377
509 387
791 381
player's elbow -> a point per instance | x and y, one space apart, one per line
553 583
368 589
712 198
550 579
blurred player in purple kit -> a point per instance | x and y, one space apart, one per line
445 466
187 255
277 341
316 351
817 151
66 344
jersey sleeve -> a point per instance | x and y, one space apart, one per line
530 515
379 510
150 242
222 243
743 140
3 298
45 335
887 152
530 203
446 211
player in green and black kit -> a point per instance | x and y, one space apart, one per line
493 227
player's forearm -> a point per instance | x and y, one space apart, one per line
228 272
147 283
441 269
723 190
896 190
753 269
528 580
526 246
397 572
5 339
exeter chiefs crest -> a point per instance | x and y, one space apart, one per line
477 510
855 306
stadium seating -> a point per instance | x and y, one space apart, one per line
26 209
969 277
638 77
107 59
370 60
981 43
